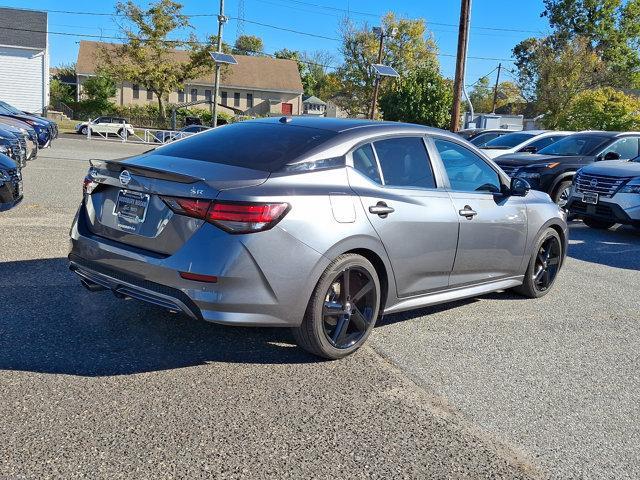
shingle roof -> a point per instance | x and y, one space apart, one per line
23 28
312 99
258 73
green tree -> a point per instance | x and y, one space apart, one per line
602 109
409 49
248 45
148 57
421 96
611 27
313 68
481 95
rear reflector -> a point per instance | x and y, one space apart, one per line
199 278
233 217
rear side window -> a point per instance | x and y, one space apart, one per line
255 145
364 161
404 162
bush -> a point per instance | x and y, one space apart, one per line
602 109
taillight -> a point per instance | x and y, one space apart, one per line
240 217
89 185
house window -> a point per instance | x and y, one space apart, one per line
224 98
136 90
194 94
207 94
236 99
181 95
149 95
249 100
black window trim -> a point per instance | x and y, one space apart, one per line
504 181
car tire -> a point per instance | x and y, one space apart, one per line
597 224
336 323
121 132
532 287
84 130
561 193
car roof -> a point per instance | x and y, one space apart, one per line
340 125
604 133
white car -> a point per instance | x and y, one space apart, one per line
105 125
529 141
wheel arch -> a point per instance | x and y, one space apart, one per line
566 176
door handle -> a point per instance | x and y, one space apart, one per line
467 212
381 209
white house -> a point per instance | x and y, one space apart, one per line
24 59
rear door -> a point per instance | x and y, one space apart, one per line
413 217
493 227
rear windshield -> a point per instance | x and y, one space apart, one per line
509 140
259 146
575 145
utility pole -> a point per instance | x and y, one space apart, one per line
495 89
461 59
216 84
376 88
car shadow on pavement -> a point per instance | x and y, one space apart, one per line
50 324
618 247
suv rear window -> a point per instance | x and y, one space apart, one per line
259 146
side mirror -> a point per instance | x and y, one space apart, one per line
529 149
612 156
519 187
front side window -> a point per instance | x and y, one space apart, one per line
404 162
467 172
364 161
627 148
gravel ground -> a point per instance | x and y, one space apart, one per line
497 387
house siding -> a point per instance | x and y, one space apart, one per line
24 78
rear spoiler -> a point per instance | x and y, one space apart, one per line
149 172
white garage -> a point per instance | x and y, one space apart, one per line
24 59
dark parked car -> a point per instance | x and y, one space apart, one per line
26 132
315 224
10 183
480 136
552 169
44 128
13 146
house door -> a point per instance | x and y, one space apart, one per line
287 108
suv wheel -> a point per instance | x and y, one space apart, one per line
562 193
597 224
84 130
343 308
543 267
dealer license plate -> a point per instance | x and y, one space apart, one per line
590 197
131 206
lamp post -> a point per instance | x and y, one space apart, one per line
381 32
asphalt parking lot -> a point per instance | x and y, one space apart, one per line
494 387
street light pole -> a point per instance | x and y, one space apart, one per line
461 59
216 84
376 88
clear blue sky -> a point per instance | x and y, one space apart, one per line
320 17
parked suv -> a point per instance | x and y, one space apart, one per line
106 125
45 130
10 183
606 193
25 132
315 224
552 169
11 146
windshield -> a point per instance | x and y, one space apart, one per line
575 145
509 140
8 108
259 146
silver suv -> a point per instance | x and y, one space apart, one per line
606 193
320 225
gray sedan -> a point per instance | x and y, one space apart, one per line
320 225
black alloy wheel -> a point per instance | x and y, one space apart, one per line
348 307
547 263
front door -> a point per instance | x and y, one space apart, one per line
493 227
414 219
287 108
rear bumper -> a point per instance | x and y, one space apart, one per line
264 279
